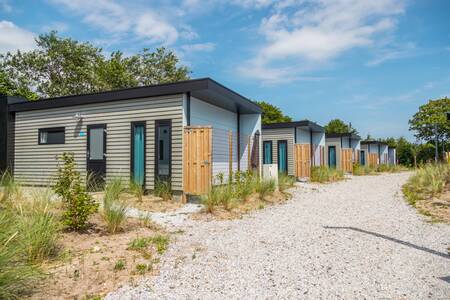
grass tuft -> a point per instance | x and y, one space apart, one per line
324 174
114 207
163 189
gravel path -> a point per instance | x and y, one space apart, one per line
352 239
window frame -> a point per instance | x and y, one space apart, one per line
52 129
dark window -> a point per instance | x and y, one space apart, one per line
267 152
52 135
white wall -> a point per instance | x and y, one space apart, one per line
222 121
384 154
249 125
392 156
303 136
318 139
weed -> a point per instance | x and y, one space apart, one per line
137 190
163 189
141 268
114 208
359 170
285 181
160 242
139 244
427 182
119 265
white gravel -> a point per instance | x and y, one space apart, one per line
174 218
352 239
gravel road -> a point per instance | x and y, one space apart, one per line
352 239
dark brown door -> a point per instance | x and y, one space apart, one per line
96 155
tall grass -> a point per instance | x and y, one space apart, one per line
10 188
324 174
137 190
359 170
285 181
427 182
264 187
114 206
218 195
390 168
29 234
163 189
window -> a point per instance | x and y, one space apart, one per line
267 149
52 135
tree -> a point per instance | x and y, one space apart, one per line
339 126
63 66
10 88
430 122
272 114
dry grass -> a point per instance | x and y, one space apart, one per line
252 203
95 262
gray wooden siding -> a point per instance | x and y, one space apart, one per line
36 164
275 135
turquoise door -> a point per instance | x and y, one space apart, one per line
267 152
362 158
138 163
282 157
332 156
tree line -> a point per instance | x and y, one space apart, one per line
61 66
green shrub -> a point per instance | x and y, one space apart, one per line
427 182
114 207
163 189
244 185
79 205
137 190
324 174
264 187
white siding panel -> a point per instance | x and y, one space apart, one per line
37 164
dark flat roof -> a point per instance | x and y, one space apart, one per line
205 89
350 135
303 123
366 142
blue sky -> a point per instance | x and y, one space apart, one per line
371 63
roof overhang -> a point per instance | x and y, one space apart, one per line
338 135
314 127
204 89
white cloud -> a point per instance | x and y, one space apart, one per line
386 54
118 18
14 38
200 47
317 32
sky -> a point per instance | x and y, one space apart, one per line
371 63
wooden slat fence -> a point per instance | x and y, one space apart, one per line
197 165
372 159
346 160
302 157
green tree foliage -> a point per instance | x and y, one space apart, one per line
79 205
63 66
430 121
272 114
339 126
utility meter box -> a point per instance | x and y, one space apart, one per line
270 171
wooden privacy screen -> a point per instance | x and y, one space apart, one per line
373 159
302 160
346 160
197 151
356 157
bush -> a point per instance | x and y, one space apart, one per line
79 205
264 187
427 182
244 184
163 189
114 208
390 168
324 174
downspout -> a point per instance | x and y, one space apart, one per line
311 146
295 135
188 109
239 140
379 154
